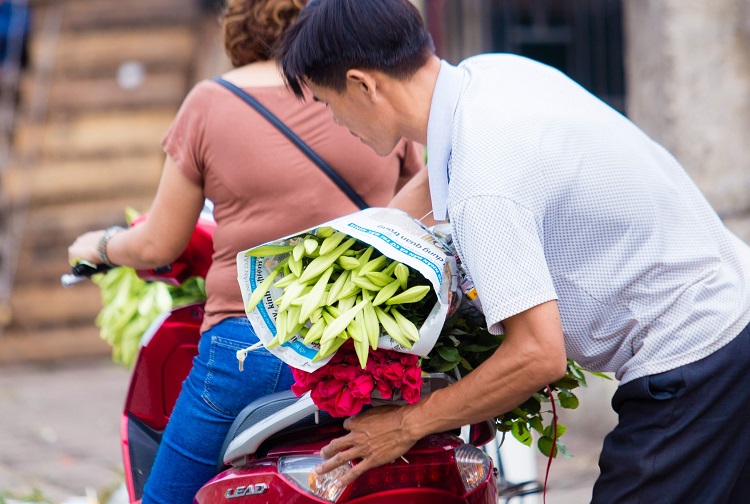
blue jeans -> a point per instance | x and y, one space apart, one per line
212 396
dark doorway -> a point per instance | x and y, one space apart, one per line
582 38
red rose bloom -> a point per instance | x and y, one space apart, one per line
413 377
346 372
362 386
342 387
386 391
346 404
394 371
330 388
410 394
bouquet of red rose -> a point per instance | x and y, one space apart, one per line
342 387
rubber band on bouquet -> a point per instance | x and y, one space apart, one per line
242 354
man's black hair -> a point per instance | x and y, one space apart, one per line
332 36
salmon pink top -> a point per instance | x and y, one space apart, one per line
262 186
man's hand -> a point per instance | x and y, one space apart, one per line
376 437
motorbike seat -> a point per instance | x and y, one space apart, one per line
267 406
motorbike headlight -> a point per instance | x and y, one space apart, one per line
301 471
473 464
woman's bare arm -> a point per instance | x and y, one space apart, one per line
162 237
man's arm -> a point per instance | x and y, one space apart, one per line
414 198
531 357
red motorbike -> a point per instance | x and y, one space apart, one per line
274 445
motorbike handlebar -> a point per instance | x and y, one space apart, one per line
81 272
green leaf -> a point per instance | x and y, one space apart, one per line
434 362
449 354
437 364
545 446
521 432
561 448
567 399
518 412
503 427
478 348
567 382
466 364
532 406
536 424
448 366
576 371
548 431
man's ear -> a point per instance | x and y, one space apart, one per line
363 82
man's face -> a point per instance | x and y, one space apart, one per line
365 117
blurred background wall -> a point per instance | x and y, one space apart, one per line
688 82
88 95
88 87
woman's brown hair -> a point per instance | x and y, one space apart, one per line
251 27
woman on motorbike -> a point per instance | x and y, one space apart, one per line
263 188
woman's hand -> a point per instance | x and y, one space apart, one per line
86 248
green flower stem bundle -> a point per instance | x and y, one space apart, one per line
130 305
336 288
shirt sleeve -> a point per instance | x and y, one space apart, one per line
183 141
501 246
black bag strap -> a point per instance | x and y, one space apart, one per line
306 149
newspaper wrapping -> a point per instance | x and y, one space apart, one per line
394 234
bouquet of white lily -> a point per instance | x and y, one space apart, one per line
337 288
130 305
376 277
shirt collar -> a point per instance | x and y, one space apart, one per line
439 133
